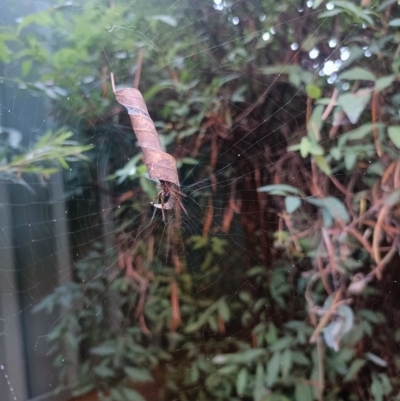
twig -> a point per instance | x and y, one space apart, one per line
361 239
175 309
338 185
329 248
260 100
377 233
308 111
325 319
385 227
386 259
311 305
371 210
209 217
375 112
388 172
396 177
290 227
323 275
331 105
321 372
136 81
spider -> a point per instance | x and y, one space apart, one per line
167 198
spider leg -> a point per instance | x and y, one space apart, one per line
157 197
179 193
162 205
159 203
181 205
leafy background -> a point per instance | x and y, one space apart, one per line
284 121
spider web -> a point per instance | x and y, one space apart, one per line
67 222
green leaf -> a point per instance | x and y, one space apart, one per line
39 18
355 367
282 343
393 198
358 134
260 391
314 126
103 350
278 69
104 371
189 160
383 83
376 389
286 361
167 19
195 374
82 390
132 395
292 203
224 311
117 395
327 217
273 369
358 73
138 375
313 91
375 168
353 9
323 165
279 188
376 360
272 334
316 150
225 370
336 153
333 206
354 104
303 392
241 381
26 67
350 159
63 163
386 384
305 145
334 332
317 3
330 13
245 297
247 356
394 135
337 209
385 4
394 22
300 359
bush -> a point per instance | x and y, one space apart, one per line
291 164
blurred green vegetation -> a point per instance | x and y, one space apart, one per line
284 120
50 154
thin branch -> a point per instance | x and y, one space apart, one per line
136 81
325 319
331 105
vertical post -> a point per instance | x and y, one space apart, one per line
62 248
11 345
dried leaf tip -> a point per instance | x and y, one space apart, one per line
112 82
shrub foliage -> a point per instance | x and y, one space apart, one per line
284 120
